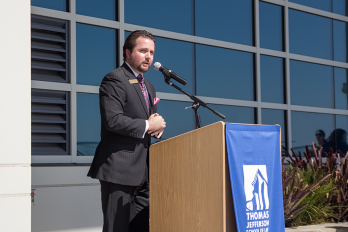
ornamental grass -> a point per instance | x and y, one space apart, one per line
315 188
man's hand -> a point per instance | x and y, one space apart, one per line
157 134
156 125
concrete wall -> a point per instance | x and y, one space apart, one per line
15 136
65 200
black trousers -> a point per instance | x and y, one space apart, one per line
125 208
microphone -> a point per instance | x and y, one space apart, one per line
157 66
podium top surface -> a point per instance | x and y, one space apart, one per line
210 126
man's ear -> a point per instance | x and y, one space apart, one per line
128 53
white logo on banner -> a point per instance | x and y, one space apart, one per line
256 194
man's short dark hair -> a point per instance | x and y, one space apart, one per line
130 41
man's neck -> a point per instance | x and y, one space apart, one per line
134 72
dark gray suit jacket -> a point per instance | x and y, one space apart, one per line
122 154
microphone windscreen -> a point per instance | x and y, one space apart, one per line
157 65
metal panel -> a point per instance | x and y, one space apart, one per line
49 49
50 122
257 66
50 13
97 21
191 38
73 106
87 89
317 11
287 76
50 85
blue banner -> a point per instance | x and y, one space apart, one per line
256 179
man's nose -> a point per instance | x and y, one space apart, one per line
148 55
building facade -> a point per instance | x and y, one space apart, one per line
265 62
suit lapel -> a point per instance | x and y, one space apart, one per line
130 75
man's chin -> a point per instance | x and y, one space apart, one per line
144 69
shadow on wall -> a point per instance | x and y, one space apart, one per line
68 208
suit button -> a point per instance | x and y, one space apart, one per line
146 146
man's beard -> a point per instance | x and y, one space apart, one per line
143 69
139 68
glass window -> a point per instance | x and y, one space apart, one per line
271 26
321 4
311 127
340 134
272 79
234 114
340 7
174 16
340 40
105 9
311 84
51 4
88 123
178 120
272 117
310 35
341 88
95 53
225 73
236 15
184 66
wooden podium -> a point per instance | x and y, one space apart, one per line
190 188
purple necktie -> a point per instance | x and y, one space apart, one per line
142 86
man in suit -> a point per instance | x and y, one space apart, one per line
128 120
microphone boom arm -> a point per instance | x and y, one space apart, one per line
196 101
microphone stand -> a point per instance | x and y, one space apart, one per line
196 101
